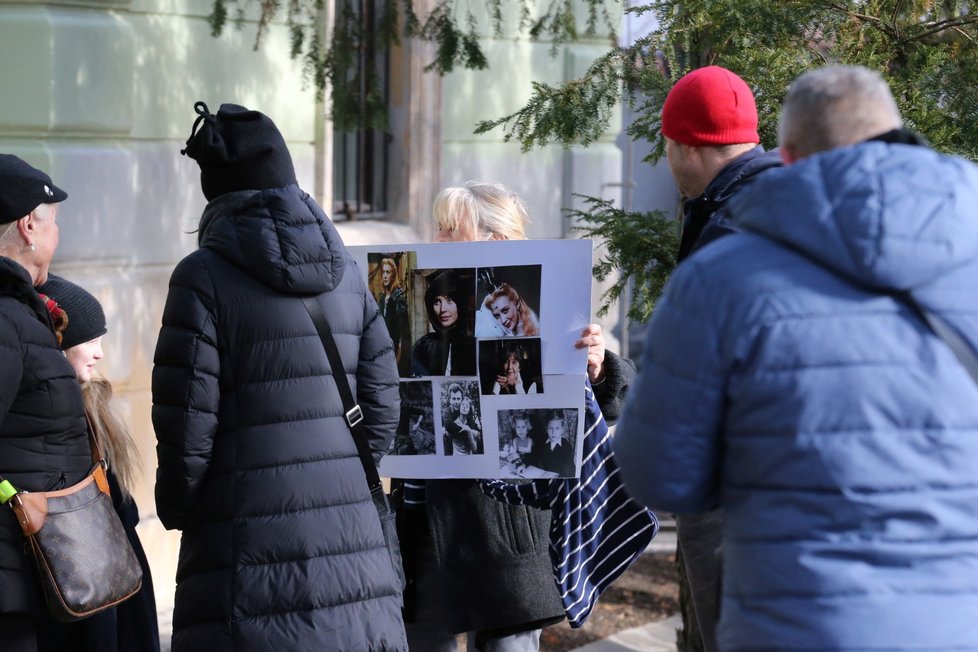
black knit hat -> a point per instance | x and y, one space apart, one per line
238 149
86 320
23 188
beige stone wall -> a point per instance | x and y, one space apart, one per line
100 93
546 178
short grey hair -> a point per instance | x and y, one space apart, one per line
9 236
833 107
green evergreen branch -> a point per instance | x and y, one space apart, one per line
636 245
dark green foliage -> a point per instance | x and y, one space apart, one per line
645 246
926 50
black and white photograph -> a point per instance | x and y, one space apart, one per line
444 319
461 418
508 301
388 275
415 433
538 443
449 288
510 366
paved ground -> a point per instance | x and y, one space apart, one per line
654 637
659 636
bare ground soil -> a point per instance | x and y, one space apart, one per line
646 592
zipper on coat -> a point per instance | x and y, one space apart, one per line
58 483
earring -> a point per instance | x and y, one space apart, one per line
32 247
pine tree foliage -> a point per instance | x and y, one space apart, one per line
927 50
343 64
646 249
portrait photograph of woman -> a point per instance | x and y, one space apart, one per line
447 347
509 301
387 275
510 366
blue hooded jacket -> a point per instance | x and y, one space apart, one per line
783 383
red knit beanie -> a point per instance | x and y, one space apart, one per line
710 106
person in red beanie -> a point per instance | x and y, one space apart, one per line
709 121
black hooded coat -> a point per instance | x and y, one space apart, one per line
282 547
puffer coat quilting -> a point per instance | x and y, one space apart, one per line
840 436
282 546
43 437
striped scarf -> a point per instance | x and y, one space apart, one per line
597 530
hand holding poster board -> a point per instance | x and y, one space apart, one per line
482 331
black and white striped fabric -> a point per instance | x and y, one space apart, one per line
597 530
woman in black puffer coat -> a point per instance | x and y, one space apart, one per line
43 437
282 547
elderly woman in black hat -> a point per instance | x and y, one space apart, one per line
43 436
131 625
282 547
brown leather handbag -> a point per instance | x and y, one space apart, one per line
83 556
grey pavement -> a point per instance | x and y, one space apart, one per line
658 636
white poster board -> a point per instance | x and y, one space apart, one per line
484 332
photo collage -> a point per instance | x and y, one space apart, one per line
478 397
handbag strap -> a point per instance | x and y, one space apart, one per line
938 326
352 412
961 349
7 490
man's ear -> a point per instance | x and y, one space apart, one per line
26 227
788 153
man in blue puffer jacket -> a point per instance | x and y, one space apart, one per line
786 383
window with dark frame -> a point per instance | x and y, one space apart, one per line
360 157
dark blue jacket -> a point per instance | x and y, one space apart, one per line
282 547
784 384
705 218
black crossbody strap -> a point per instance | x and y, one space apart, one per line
958 345
7 490
354 416
965 354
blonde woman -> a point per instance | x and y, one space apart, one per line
131 625
512 314
392 302
452 532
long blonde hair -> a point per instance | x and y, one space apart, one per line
481 210
112 434
528 322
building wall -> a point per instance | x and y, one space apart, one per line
546 178
100 94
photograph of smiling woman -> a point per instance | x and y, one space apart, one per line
448 347
510 294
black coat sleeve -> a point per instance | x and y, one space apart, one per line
610 393
12 363
377 380
186 395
